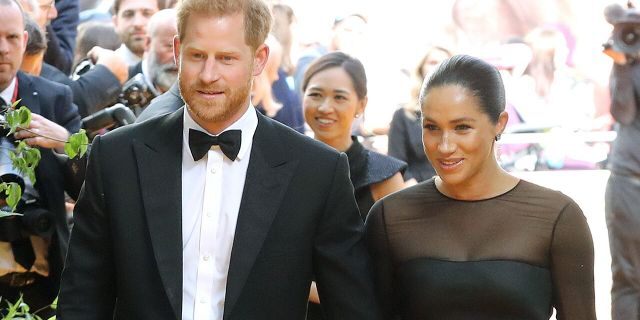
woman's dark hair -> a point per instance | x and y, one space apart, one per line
352 66
480 78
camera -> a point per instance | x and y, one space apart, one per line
136 93
33 219
624 44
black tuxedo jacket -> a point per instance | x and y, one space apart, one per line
297 217
52 101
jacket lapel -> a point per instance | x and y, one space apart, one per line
267 179
160 172
27 94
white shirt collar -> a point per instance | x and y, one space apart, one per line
7 93
247 124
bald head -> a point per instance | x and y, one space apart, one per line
163 21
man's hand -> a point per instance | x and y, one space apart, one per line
43 133
111 60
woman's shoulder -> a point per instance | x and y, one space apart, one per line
540 194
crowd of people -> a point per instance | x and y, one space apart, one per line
251 185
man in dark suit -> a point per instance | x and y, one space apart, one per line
37 266
215 211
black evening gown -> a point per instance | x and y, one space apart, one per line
514 256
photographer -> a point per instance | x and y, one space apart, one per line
30 262
622 204
157 71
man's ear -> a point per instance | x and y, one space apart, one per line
176 50
25 40
260 59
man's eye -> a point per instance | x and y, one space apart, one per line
462 127
430 127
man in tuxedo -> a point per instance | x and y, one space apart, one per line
215 211
32 264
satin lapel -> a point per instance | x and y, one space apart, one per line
268 177
160 172
28 94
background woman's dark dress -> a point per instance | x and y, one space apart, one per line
366 167
514 256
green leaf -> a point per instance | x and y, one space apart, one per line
14 193
24 116
77 144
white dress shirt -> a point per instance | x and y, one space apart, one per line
7 93
211 192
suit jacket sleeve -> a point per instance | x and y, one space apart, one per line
87 290
95 90
341 262
61 34
66 112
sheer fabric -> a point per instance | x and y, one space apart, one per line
514 256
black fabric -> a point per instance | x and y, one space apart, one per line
93 91
23 252
405 143
61 35
3 104
366 168
229 142
514 256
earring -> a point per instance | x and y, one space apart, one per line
357 115
497 137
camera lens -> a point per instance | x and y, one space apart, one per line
629 36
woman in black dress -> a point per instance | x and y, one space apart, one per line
335 93
475 242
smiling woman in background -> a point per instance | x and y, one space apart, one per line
475 242
335 93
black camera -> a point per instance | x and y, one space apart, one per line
136 93
624 44
33 219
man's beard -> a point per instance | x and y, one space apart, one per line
214 111
163 76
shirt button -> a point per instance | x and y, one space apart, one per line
206 258
203 301
213 170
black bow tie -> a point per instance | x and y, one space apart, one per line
229 142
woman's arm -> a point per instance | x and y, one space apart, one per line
381 189
571 266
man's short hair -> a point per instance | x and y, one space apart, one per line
37 41
257 18
10 2
115 7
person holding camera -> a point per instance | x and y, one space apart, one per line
622 204
33 246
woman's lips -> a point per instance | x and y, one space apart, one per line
450 164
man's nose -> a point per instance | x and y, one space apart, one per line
209 72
